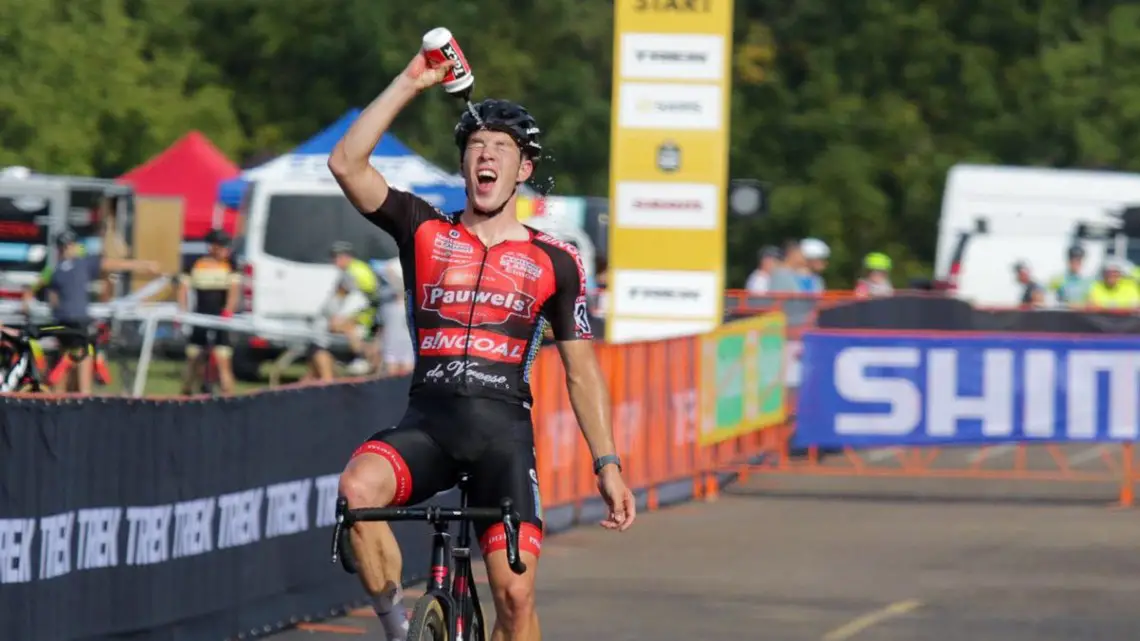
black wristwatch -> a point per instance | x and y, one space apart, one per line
603 461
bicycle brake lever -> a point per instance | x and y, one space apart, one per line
511 530
338 525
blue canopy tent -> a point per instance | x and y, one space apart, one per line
403 168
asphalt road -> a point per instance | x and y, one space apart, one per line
832 559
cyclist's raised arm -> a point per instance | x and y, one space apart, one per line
349 162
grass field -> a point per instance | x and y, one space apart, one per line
164 378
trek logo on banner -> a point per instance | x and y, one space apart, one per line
862 390
107 537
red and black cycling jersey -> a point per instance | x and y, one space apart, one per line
477 314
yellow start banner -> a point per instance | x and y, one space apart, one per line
668 167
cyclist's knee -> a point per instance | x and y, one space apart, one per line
371 479
514 598
368 481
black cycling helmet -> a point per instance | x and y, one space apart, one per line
500 115
218 237
1076 251
65 238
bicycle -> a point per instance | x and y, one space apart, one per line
451 600
100 332
20 351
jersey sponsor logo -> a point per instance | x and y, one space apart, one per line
569 248
582 318
480 343
445 246
463 296
461 372
520 265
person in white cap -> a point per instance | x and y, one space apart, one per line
816 253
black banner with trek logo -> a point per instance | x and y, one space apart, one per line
181 520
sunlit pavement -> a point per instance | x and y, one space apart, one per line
837 559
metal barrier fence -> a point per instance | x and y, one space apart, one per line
1110 465
136 311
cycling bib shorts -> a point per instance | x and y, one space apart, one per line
476 316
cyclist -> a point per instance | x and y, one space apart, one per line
69 295
481 289
216 286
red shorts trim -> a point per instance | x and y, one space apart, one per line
403 474
495 539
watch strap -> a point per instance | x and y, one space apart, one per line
603 461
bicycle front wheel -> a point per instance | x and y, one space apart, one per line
428 622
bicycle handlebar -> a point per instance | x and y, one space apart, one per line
345 518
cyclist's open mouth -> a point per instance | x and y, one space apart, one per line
485 181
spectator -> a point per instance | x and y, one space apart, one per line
351 313
816 254
1114 291
1032 294
1072 288
767 261
597 296
68 290
215 285
395 354
877 281
788 277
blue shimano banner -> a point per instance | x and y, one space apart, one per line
878 390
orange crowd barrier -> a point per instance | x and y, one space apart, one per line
654 389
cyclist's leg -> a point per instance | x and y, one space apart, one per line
401 466
223 358
83 361
507 468
195 352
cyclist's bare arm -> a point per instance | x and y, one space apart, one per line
129 265
349 163
183 295
233 294
589 396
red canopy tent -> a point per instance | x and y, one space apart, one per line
191 168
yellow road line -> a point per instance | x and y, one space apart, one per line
860 623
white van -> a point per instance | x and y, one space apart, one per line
993 216
284 254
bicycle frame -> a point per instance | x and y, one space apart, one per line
24 371
453 587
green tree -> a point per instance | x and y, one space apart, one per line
93 88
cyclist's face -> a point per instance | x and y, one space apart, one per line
219 251
493 165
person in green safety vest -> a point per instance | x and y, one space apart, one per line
354 317
1115 290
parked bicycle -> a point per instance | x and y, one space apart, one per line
20 351
449 608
